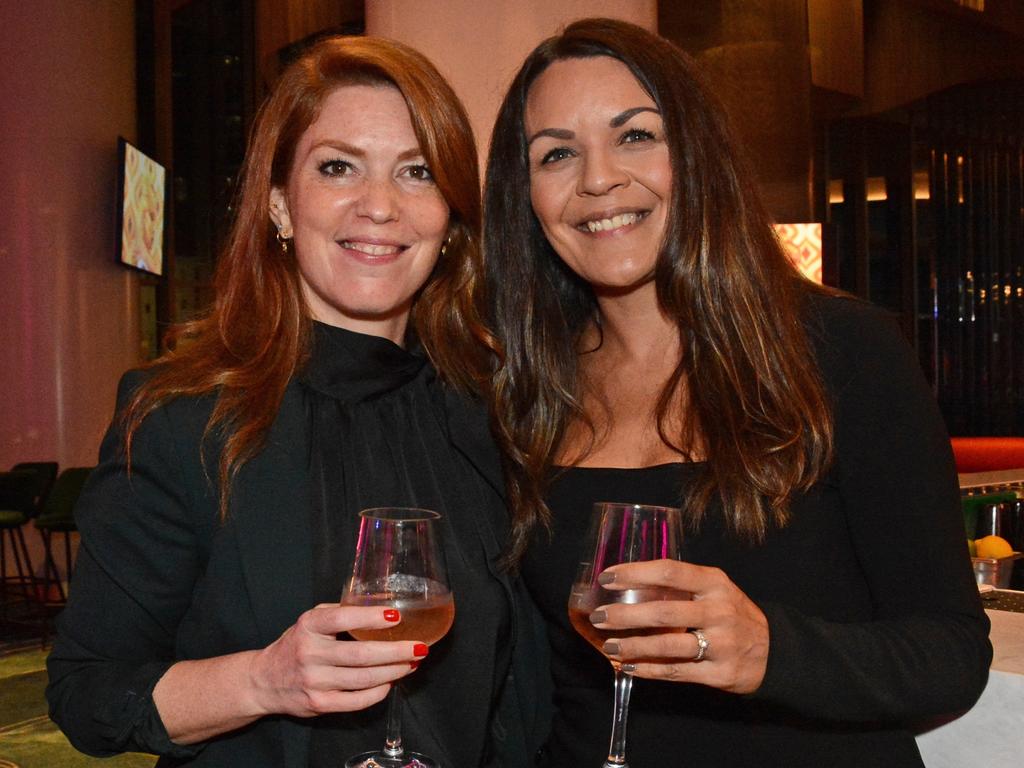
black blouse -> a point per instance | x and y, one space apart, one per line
161 577
379 438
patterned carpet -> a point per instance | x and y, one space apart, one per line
27 737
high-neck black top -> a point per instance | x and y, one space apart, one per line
378 428
163 577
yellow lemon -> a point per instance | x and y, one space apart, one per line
993 546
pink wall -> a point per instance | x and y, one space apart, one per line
479 46
68 315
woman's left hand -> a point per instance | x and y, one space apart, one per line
735 629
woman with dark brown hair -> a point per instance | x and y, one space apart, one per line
659 348
333 373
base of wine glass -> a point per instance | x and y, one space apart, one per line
377 759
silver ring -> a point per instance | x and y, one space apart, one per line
702 644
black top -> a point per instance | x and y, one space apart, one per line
873 614
380 438
161 578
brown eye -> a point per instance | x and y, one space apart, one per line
420 173
556 154
334 168
635 135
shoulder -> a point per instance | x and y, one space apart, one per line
847 320
136 379
877 386
158 481
852 338
187 416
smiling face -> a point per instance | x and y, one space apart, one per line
366 217
600 174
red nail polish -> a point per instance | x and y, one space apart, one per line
414 664
392 615
420 649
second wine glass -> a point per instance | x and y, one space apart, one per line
400 564
621 533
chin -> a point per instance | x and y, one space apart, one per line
382 309
621 286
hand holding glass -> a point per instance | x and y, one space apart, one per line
621 533
400 564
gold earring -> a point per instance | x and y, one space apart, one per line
282 241
445 244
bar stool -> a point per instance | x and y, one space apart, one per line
58 517
44 474
17 505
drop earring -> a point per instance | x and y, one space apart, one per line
282 241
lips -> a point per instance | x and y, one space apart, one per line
608 221
372 249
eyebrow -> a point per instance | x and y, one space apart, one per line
350 149
616 122
619 120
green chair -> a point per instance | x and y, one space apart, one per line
58 517
17 506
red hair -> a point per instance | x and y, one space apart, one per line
256 336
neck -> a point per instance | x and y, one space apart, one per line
634 355
391 327
634 328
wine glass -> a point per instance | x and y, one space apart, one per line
622 533
400 564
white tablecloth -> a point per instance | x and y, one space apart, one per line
991 734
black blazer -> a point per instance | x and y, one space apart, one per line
160 579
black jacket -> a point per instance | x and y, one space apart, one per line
159 579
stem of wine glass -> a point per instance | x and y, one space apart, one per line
617 748
393 734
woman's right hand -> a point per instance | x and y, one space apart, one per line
308 671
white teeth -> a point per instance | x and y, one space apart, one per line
370 249
622 220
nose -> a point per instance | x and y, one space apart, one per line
379 201
601 173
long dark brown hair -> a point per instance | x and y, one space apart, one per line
755 402
257 333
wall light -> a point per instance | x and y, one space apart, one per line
922 189
874 189
835 191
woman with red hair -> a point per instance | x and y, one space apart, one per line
332 374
